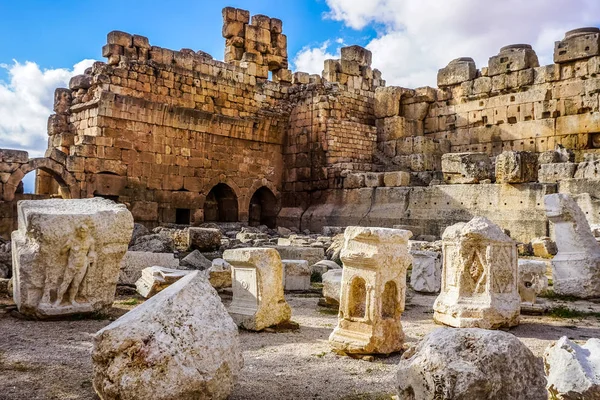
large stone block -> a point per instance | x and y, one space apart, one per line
373 291
357 54
577 44
204 239
180 344
67 254
257 277
516 167
576 266
311 254
155 279
387 101
553 173
470 364
466 167
573 371
296 275
332 286
134 262
457 71
396 178
479 280
514 57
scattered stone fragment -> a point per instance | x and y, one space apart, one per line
332 285
219 274
544 247
196 260
573 371
134 262
296 275
155 279
180 344
154 243
469 364
426 275
204 239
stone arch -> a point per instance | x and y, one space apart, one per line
221 204
65 179
263 208
357 298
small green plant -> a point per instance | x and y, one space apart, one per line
321 354
566 312
130 302
327 311
550 294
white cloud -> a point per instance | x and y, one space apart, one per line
417 37
26 102
311 59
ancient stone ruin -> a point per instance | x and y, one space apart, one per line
211 214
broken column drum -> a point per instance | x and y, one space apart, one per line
372 291
479 278
257 282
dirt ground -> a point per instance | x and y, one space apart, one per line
51 360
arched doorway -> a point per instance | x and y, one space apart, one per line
263 208
221 205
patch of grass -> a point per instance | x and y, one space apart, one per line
130 302
327 311
550 294
566 312
321 355
316 277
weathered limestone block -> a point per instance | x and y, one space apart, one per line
373 179
219 274
466 167
577 44
134 262
332 285
357 54
392 128
553 173
257 277
373 291
426 275
465 364
323 266
532 279
387 101
588 169
573 371
180 344
396 178
516 167
457 71
311 254
576 266
543 247
14 156
354 181
296 274
514 57
155 279
204 239
67 254
479 278
196 260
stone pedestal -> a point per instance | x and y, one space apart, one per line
67 255
372 292
257 281
479 278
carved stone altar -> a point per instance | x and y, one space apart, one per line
576 266
257 281
67 255
372 292
479 278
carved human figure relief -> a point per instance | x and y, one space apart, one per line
81 254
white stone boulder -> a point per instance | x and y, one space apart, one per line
426 275
470 364
296 275
219 274
532 279
67 255
134 262
180 344
155 279
576 266
573 371
332 286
